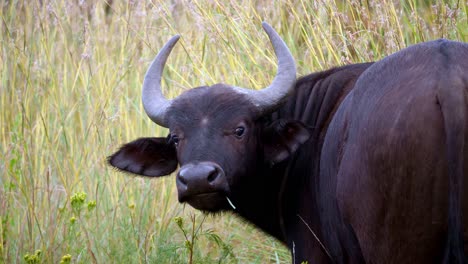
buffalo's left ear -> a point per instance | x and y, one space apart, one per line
151 157
282 138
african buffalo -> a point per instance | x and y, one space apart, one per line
358 164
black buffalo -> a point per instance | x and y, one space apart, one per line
359 164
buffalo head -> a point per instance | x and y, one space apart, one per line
220 135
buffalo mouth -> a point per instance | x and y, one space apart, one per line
210 202
203 185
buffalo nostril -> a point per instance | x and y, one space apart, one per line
213 175
183 181
181 178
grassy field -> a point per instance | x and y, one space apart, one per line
71 75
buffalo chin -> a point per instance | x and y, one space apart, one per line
209 202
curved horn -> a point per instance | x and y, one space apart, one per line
154 102
274 95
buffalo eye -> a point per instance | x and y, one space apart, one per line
239 132
175 140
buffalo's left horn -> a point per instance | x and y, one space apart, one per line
154 102
268 98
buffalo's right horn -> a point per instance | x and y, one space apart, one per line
154 102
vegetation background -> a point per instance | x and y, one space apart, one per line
71 74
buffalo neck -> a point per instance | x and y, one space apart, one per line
287 207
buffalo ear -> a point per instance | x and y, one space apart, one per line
282 138
146 156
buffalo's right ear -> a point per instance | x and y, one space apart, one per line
146 156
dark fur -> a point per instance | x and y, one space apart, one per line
388 152
363 163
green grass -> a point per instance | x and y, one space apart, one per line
71 76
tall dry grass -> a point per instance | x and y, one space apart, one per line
71 74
